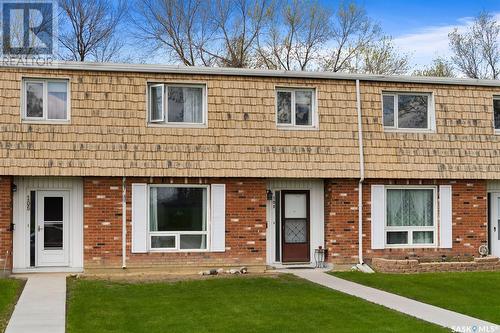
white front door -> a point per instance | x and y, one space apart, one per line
52 222
494 227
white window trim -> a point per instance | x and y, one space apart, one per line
431 112
178 233
165 122
44 119
314 109
410 229
496 130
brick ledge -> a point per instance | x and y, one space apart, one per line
382 265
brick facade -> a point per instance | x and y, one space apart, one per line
245 225
469 209
341 220
5 221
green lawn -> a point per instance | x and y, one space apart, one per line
245 304
10 289
473 293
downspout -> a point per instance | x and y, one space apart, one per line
361 265
361 175
124 222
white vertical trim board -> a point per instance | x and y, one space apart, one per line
445 217
139 218
218 218
378 217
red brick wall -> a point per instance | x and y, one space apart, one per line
341 220
245 224
5 221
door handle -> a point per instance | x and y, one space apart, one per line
40 228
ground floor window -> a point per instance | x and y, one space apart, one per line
178 217
410 216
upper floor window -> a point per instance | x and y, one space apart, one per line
496 112
295 107
408 111
45 100
175 104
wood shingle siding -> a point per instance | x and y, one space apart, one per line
108 134
463 146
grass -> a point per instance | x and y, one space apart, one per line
472 293
10 289
244 304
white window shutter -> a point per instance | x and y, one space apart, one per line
139 218
445 217
218 209
378 217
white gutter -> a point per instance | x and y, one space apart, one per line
124 222
194 70
361 175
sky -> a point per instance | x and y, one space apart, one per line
420 27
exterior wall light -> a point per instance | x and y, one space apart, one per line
269 195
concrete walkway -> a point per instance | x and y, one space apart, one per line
430 313
42 305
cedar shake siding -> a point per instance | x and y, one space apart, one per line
108 133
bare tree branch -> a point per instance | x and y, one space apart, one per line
476 52
298 31
379 58
352 31
238 25
91 28
439 68
180 27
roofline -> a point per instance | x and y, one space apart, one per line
179 69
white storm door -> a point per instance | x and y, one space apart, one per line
52 224
494 228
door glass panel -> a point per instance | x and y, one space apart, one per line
296 231
53 209
295 206
32 227
498 230
277 219
53 236
53 223
498 207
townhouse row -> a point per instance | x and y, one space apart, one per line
109 166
